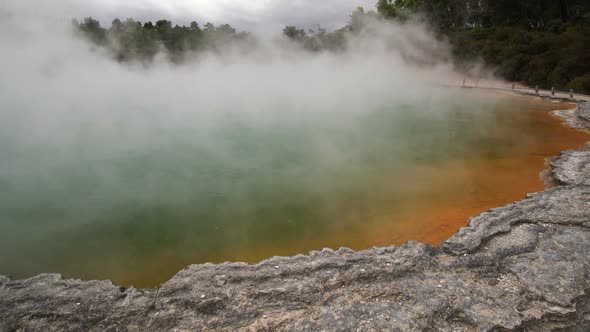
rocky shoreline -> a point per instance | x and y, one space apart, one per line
524 266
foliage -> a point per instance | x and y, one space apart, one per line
134 40
537 42
293 33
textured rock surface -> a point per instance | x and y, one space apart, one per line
572 167
525 266
577 117
584 110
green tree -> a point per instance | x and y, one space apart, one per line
387 8
294 33
92 30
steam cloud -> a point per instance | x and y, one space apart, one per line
89 141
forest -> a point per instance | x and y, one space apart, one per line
543 43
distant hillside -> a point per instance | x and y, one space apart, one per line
537 42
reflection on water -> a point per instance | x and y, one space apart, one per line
101 203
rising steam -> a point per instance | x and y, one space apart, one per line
114 163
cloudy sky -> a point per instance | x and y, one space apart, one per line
252 15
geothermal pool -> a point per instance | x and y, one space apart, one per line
135 198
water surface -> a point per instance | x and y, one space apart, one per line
135 198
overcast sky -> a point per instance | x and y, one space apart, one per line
253 15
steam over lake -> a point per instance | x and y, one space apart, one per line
139 194
131 172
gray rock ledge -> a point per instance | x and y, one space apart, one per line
525 267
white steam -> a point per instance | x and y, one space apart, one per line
90 146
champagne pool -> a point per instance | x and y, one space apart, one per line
136 195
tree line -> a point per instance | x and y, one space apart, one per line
134 40
537 42
542 43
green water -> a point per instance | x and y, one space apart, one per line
135 195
